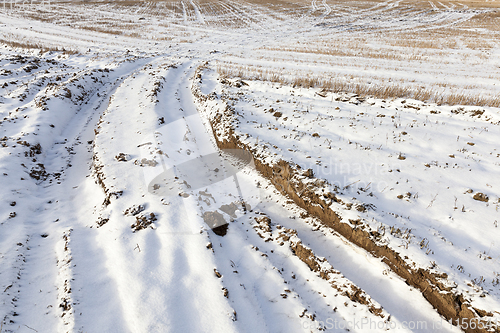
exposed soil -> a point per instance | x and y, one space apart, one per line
481 197
283 175
323 268
134 210
143 221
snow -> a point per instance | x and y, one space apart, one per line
420 152
104 121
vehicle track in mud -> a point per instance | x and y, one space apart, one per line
286 178
70 235
68 232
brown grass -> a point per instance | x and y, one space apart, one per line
36 46
382 91
105 30
349 52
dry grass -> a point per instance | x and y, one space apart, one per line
106 30
478 44
433 63
338 85
349 52
424 42
35 46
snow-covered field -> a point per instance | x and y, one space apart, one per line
219 166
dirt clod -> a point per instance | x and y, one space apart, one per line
34 150
308 173
143 221
145 162
480 197
38 172
220 230
121 157
101 221
134 210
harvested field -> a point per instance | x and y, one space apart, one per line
220 166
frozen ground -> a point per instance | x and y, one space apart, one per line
118 213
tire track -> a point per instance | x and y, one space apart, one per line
416 312
197 12
43 216
179 271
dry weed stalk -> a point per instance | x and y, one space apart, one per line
42 48
337 85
